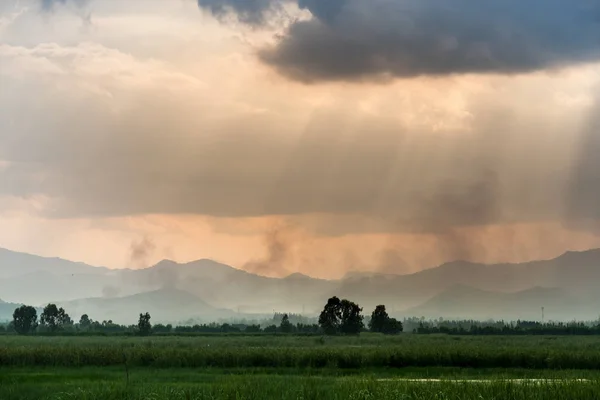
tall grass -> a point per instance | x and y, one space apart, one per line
350 353
248 368
260 387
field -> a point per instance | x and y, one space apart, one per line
292 367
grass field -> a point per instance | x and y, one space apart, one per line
365 367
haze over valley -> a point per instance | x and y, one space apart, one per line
207 291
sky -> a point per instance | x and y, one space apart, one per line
310 136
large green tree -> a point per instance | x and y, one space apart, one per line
341 316
54 318
144 328
393 327
379 319
24 320
85 322
285 326
352 319
382 323
331 316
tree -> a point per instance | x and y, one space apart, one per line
49 317
144 328
85 322
64 319
393 327
24 320
286 325
341 316
252 329
55 318
160 328
330 317
382 323
352 320
379 319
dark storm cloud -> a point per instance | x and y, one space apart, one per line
357 39
323 10
253 12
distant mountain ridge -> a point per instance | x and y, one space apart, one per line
458 302
7 310
14 263
166 305
36 280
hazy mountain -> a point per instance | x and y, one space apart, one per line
39 288
463 302
41 280
14 264
7 309
36 280
572 270
31 279
578 273
165 305
235 289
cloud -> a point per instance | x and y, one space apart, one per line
116 136
323 10
252 12
348 40
155 113
102 133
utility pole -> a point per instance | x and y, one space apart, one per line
542 315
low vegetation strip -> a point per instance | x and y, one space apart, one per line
539 381
99 383
302 353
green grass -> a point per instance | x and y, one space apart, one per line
366 367
370 351
110 383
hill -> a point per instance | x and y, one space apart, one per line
577 273
15 264
41 280
217 283
31 279
7 309
463 302
228 287
165 305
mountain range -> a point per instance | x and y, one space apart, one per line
567 287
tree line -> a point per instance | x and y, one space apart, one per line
339 317
504 328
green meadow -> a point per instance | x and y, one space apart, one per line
368 366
